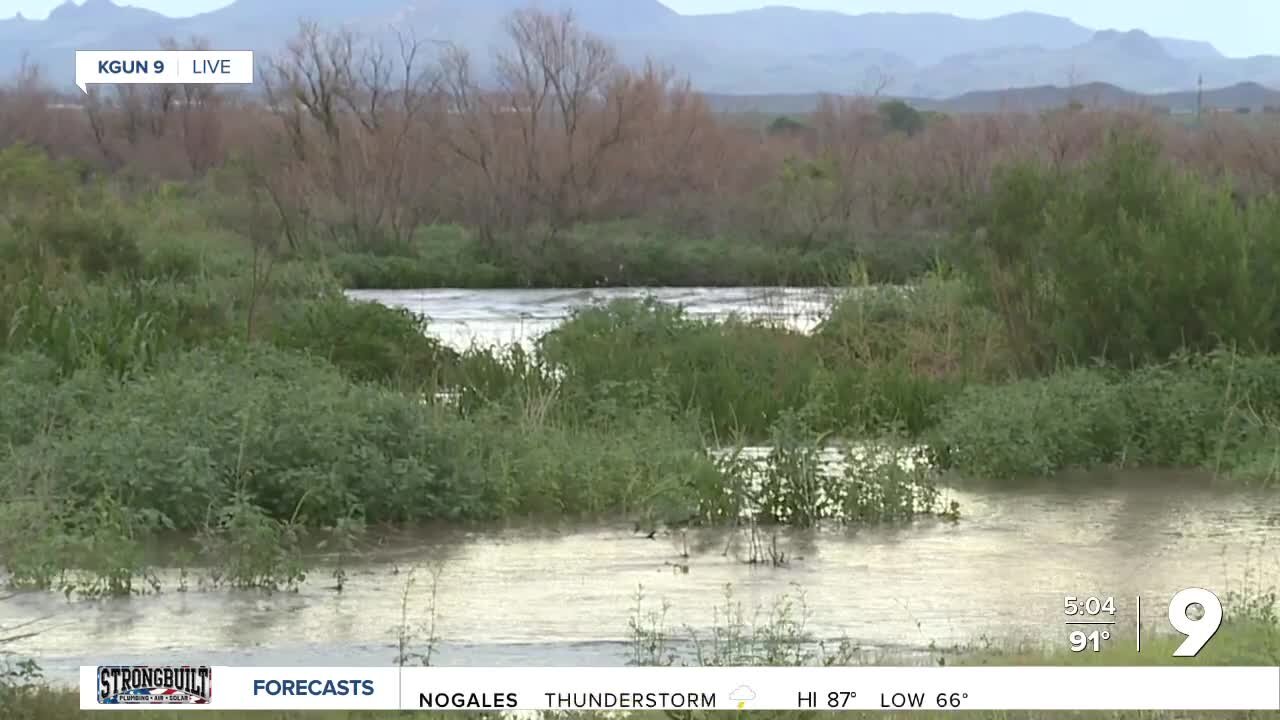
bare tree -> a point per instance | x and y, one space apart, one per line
563 107
474 136
875 80
98 110
359 114
314 74
260 206
24 107
200 117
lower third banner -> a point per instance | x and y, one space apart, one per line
197 687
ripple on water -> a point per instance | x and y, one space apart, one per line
564 595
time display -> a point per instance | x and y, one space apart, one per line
1090 606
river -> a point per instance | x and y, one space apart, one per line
563 596
486 317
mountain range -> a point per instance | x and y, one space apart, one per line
772 50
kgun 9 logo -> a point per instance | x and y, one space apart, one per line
125 67
131 67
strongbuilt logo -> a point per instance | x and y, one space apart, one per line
154 684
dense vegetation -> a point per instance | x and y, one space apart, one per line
220 384
169 366
176 352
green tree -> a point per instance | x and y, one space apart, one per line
901 117
785 125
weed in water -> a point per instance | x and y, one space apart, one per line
773 636
408 633
252 549
343 538
649 641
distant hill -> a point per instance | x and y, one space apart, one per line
772 50
1253 96
1033 99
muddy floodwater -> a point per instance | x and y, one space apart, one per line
563 596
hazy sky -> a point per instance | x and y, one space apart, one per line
1236 27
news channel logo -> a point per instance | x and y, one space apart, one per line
154 684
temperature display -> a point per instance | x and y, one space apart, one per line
1093 641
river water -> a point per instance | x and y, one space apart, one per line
487 317
563 596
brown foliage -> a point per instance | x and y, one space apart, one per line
356 129
365 139
565 133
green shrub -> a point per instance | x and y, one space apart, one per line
513 459
933 329
87 243
39 399
359 271
97 243
882 362
737 375
298 440
1127 260
886 398
32 184
1214 411
195 254
368 341
896 353
48 218
436 256
898 116
1033 427
182 441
